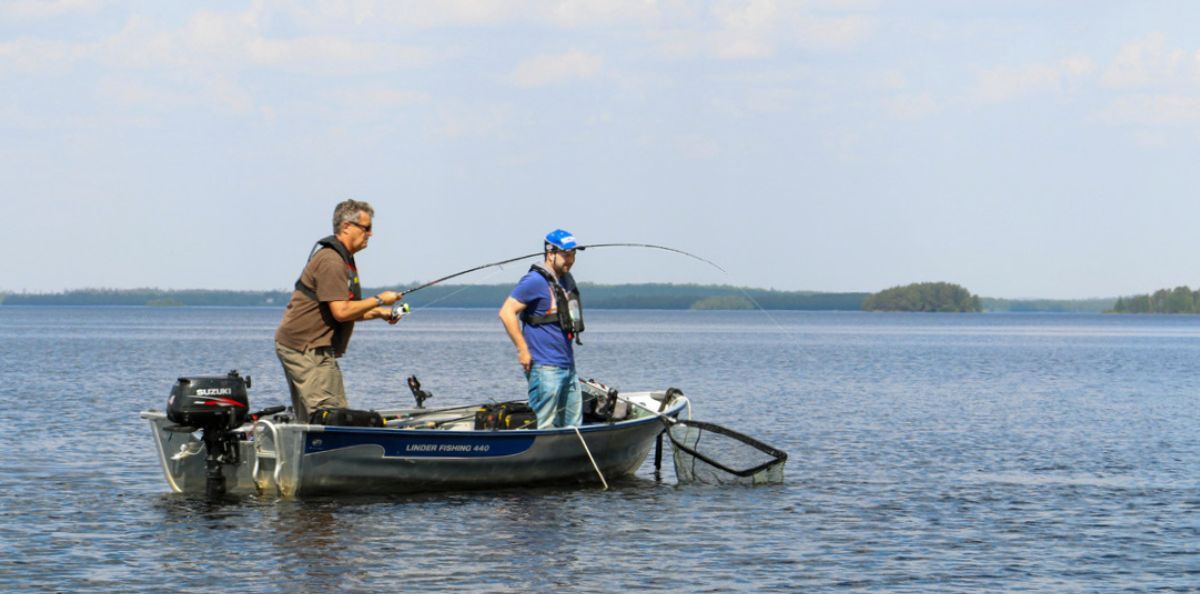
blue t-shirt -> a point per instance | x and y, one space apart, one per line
548 343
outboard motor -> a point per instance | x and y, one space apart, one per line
216 406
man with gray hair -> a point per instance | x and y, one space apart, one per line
320 316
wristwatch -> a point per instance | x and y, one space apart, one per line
379 301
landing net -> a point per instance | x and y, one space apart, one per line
711 454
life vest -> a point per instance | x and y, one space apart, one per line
353 288
569 318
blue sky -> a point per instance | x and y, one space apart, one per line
1018 148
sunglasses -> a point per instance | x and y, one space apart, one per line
366 228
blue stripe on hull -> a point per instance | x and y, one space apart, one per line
397 444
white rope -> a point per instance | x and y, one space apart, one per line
589 453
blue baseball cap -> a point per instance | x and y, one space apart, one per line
561 239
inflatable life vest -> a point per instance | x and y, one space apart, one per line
353 288
569 318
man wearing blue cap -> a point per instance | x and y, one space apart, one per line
542 316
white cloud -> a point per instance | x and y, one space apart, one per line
911 106
1154 110
772 100
212 92
141 44
1163 84
380 98
209 61
1146 62
582 13
457 122
1004 83
424 14
37 56
142 95
236 41
759 29
208 42
34 10
229 95
737 47
697 147
892 80
552 69
756 29
840 33
1077 66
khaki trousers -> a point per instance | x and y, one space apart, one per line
314 378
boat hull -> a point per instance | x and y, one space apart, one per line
292 459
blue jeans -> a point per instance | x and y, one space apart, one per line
554 396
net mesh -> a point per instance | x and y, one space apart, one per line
711 454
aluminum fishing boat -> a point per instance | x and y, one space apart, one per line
417 450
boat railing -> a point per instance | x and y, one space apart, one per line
261 451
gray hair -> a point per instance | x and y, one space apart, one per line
349 210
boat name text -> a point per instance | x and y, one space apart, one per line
446 447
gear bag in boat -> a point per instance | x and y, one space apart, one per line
602 404
505 415
346 417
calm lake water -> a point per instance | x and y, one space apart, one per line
947 453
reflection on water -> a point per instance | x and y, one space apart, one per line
927 453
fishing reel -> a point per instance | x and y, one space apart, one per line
399 310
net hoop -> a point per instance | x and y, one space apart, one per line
779 455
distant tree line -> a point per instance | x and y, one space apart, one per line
916 297
147 297
926 297
1180 300
633 296
1048 305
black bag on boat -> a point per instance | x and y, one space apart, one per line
346 417
601 403
505 415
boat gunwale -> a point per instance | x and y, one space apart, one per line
673 411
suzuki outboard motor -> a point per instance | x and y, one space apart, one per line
216 406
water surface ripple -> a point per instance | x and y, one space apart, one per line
948 453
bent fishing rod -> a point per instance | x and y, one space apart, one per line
580 248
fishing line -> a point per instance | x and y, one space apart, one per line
542 254
499 269
501 263
657 247
467 271
742 290
763 309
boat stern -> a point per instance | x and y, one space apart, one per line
181 454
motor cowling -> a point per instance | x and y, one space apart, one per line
210 402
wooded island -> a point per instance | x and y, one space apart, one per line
1180 300
926 297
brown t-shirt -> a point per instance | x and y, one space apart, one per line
309 324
